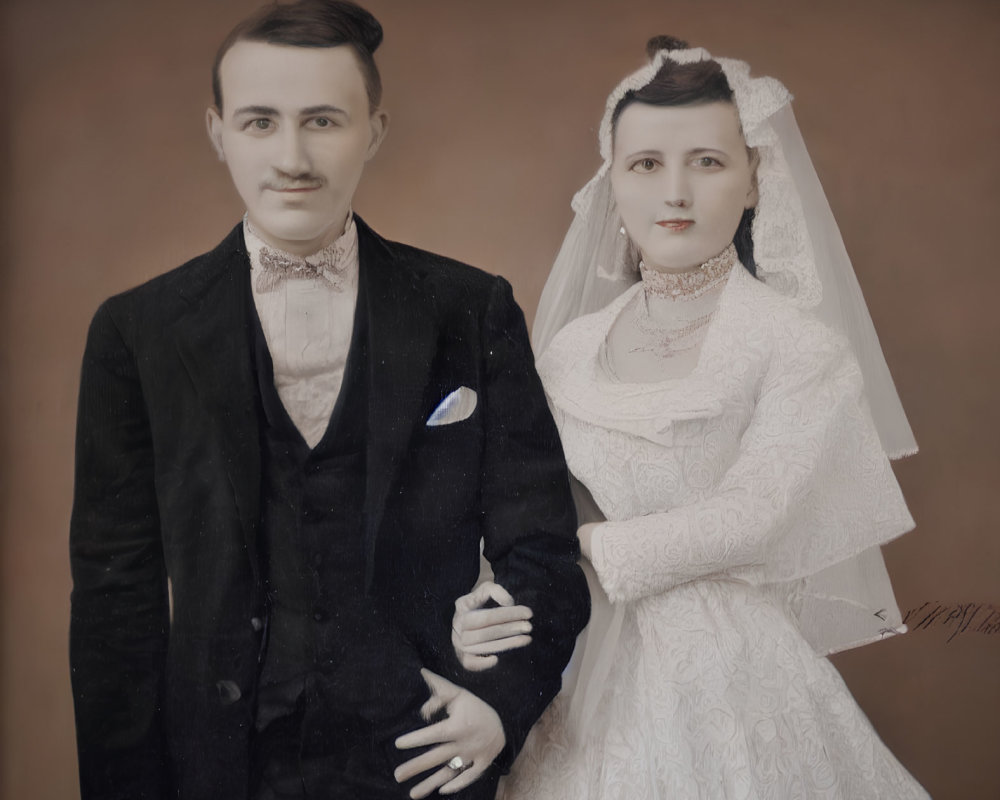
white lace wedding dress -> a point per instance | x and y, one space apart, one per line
727 493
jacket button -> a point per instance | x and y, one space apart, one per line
229 692
256 623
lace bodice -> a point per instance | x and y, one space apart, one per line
735 498
762 464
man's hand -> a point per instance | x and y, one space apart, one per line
478 633
472 731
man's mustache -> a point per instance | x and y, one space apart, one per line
280 183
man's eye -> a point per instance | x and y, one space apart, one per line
261 124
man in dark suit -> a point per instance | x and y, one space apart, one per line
290 451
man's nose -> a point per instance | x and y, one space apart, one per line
292 157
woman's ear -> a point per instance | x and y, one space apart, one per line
753 194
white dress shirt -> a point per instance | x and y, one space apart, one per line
307 324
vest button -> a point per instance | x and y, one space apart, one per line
228 691
256 623
319 614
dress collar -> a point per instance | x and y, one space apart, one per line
577 384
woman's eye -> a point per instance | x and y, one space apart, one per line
644 165
707 161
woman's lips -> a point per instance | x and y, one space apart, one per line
676 224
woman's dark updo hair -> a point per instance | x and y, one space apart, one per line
688 85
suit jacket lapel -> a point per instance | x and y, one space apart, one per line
213 343
402 336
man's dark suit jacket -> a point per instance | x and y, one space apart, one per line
168 485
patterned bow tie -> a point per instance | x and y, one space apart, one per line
276 266
333 264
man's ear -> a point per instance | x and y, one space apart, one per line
753 196
379 121
213 121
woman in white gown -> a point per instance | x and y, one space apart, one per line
730 418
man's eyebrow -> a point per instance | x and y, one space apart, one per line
270 111
264 111
325 109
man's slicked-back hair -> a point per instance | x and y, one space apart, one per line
311 23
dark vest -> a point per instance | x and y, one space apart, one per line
331 696
312 549
311 521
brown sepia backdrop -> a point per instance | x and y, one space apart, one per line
110 180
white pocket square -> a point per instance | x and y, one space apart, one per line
455 407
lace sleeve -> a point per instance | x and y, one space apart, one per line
810 487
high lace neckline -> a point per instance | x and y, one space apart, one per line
665 322
691 284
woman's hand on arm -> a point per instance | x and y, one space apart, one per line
479 633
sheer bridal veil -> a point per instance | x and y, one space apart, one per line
799 252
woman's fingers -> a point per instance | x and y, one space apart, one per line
502 630
481 595
495 646
478 633
485 618
478 663
495 592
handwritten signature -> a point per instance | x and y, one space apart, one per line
981 618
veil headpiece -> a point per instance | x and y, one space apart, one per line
798 249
